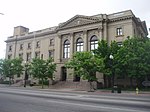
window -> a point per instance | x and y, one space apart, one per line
29 56
21 55
134 31
119 31
66 48
21 46
9 56
37 54
10 48
29 45
79 45
38 44
51 53
93 42
51 43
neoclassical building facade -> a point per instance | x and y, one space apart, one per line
80 33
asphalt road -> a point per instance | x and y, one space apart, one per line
23 100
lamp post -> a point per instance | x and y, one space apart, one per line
111 58
26 74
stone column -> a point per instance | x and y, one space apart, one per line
58 50
105 32
58 56
71 45
100 30
85 39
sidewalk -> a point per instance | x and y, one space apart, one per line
69 90
96 92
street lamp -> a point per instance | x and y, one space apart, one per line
111 58
26 74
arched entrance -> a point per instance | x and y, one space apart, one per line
63 73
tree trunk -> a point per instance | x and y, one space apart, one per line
113 77
42 83
131 82
9 81
105 81
91 87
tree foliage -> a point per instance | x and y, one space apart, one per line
42 69
133 58
11 67
85 65
103 52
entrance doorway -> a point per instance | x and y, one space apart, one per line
76 78
63 73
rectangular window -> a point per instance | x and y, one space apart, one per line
29 56
37 54
51 43
10 48
21 55
10 56
134 31
119 31
29 45
38 44
21 46
51 53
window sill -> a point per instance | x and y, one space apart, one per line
119 35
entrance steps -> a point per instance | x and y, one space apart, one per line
82 85
18 83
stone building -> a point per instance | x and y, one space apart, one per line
80 33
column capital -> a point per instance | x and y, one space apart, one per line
59 36
100 28
84 32
71 33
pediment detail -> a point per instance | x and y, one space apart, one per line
78 20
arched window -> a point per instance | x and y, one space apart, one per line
93 42
79 45
66 49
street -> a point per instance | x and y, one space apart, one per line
27 100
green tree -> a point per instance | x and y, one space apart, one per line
131 59
103 52
1 66
42 69
17 66
50 69
6 69
11 67
146 58
85 65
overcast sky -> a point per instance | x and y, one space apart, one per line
41 14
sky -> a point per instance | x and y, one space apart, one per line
41 14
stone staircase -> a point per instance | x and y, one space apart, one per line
18 83
82 85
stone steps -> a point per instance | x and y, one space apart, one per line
70 84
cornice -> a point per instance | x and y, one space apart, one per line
139 23
120 18
30 36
